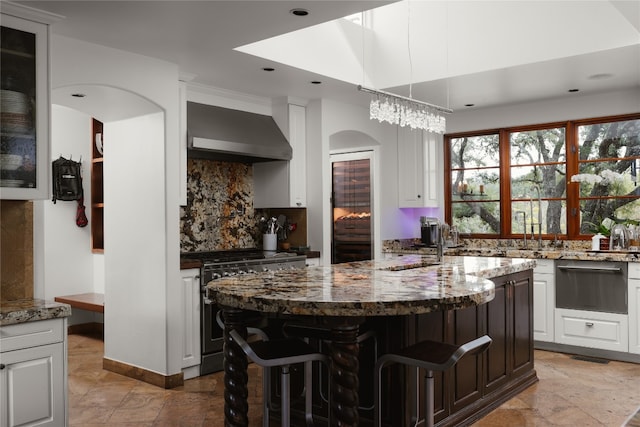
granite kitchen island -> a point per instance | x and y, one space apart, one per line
405 299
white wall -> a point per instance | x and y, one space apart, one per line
571 107
134 207
147 305
325 119
68 261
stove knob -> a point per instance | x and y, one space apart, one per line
251 271
242 272
226 274
216 276
265 269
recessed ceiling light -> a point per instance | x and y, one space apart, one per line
299 12
600 76
469 105
268 69
78 95
316 82
573 90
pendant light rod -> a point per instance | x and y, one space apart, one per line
404 98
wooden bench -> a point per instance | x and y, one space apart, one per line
90 301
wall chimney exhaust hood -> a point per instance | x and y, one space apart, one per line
223 134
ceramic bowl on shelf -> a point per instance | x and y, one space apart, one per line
13 102
10 162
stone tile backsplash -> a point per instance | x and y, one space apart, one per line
16 250
219 214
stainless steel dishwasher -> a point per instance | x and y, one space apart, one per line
592 286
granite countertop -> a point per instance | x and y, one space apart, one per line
408 284
30 310
547 253
508 248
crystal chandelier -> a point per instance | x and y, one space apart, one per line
403 111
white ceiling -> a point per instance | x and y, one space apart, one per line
482 52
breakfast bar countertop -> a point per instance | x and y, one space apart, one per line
30 310
406 284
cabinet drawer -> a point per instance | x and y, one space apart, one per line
634 270
607 331
31 334
544 266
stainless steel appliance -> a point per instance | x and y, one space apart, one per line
591 286
218 264
429 231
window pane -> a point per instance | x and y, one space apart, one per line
550 179
609 140
552 212
479 182
608 179
475 151
593 211
617 178
476 217
537 146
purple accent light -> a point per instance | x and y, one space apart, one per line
410 220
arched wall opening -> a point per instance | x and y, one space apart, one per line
130 272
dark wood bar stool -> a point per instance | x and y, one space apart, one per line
280 353
431 356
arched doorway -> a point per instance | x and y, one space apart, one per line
352 196
131 124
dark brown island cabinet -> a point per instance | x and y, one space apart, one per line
477 384
465 393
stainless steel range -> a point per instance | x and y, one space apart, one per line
218 264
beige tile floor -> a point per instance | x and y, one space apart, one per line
569 393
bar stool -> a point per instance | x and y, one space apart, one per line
431 356
323 335
279 353
266 376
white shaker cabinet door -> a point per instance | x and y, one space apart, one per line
418 169
32 386
543 301
634 307
190 290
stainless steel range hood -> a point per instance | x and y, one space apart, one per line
224 134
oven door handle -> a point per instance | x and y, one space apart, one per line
580 268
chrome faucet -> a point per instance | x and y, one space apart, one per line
524 227
440 243
537 189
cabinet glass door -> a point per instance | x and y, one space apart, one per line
23 109
352 205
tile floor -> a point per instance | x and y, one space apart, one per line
569 393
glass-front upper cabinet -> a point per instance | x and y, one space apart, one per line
24 104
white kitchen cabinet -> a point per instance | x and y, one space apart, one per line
282 184
24 80
33 374
544 300
634 307
606 331
190 305
417 168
